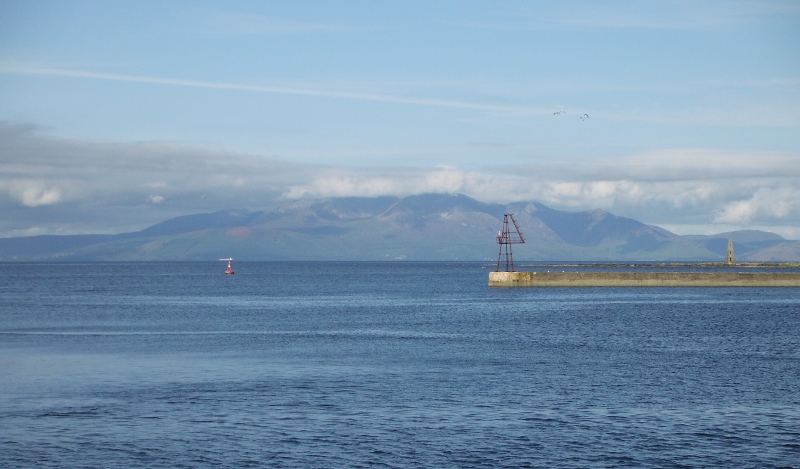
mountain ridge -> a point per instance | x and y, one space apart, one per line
420 227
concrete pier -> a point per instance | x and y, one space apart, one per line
644 279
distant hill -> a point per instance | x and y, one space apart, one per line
422 227
752 245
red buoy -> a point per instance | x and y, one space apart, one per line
230 267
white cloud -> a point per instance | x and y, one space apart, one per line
33 193
367 183
112 187
766 204
444 179
288 90
779 112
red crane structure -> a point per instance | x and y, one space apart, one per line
507 238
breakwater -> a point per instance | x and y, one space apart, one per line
644 279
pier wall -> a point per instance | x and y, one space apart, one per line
644 279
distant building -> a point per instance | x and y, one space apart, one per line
729 260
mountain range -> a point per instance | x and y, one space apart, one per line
433 227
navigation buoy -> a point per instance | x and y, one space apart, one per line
230 267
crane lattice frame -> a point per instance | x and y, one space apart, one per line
505 239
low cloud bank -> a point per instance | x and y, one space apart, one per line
59 186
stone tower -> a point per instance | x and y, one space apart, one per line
729 260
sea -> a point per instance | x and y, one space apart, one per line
387 364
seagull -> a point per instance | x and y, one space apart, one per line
587 115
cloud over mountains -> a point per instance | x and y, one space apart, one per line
52 185
422 227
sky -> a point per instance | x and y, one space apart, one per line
115 116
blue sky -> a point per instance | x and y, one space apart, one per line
117 115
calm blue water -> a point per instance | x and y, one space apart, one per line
387 365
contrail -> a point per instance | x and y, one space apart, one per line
270 89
